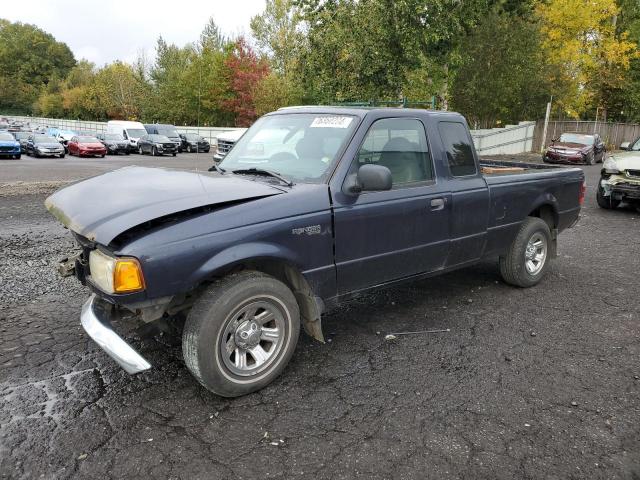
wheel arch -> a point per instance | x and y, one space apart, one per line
280 264
547 211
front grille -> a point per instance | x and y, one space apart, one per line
633 173
168 145
224 146
7 149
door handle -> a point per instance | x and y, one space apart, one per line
437 204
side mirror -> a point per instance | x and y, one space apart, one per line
625 145
370 178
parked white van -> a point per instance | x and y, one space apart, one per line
131 131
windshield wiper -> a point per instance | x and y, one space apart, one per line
262 171
216 168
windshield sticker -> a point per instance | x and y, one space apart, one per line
331 122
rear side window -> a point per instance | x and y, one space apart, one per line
400 144
457 146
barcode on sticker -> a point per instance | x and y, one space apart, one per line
331 122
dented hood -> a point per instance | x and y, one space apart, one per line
102 207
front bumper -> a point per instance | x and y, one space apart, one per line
96 321
621 187
553 157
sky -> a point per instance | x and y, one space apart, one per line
107 30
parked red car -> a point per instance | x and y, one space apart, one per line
85 146
576 148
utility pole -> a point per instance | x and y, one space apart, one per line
546 124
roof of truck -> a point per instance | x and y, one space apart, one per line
363 111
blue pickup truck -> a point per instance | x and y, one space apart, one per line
312 206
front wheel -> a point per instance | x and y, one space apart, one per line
140 151
189 149
241 333
154 151
591 159
62 155
527 259
606 202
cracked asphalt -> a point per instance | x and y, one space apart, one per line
528 383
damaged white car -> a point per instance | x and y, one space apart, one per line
620 178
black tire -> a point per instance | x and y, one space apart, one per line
17 157
174 154
62 155
513 265
591 159
127 152
189 149
140 150
608 203
154 151
212 316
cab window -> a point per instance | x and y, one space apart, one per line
400 144
458 149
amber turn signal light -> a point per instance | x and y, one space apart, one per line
127 276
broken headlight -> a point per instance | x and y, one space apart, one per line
610 166
115 274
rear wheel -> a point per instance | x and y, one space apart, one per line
241 333
527 259
154 151
606 202
189 149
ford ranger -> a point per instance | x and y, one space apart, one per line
312 206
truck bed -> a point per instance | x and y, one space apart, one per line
497 167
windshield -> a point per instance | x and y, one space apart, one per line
159 138
298 146
576 138
168 132
21 135
5 137
44 139
192 137
136 132
113 136
88 140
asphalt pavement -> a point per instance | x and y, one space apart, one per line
527 383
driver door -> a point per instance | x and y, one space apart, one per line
387 235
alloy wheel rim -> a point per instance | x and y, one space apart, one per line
253 337
535 253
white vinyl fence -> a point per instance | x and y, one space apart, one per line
210 133
511 139
494 141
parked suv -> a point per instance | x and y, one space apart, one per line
225 142
168 131
156 145
192 142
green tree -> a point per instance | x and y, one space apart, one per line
279 35
29 59
503 75
589 55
